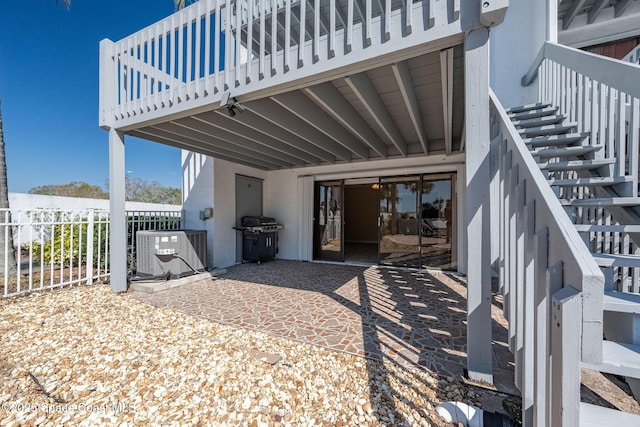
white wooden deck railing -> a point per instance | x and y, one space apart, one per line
603 96
55 248
552 287
216 46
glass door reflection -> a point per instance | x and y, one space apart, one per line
399 241
328 220
437 225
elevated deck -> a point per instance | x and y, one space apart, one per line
377 77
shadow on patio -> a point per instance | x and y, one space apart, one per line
416 319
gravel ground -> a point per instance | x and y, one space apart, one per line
87 356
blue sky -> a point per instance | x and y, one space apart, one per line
49 92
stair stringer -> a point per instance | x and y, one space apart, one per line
622 215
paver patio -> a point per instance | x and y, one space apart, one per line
415 318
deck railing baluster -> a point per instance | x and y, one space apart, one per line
168 65
274 36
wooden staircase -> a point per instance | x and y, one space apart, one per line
604 208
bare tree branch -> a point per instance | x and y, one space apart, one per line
44 390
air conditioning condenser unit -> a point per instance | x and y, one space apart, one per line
175 252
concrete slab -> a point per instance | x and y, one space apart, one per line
154 286
417 319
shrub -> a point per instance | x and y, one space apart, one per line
65 244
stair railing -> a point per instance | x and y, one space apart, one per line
633 56
603 96
552 287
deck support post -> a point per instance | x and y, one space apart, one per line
478 214
117 213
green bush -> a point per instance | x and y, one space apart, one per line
66 244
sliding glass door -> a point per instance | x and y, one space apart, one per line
399 237
416 221
437 218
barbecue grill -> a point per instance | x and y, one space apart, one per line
259 238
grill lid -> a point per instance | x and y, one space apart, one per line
256 221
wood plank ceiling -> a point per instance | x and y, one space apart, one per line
405 109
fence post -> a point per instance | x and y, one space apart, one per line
90 231
566 342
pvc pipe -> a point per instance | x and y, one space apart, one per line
471 416
460 413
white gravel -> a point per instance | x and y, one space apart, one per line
105 358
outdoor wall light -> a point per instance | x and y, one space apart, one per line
231 104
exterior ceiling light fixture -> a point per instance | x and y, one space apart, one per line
231 104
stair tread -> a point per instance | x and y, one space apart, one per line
554 140
621 302
617 260
577 150
548 130
571 165
539 121
531 114
604 228
528 107
619 359
610 201
590 181
598 416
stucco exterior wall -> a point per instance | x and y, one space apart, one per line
197 194
224 217
281 202
23 201
514 45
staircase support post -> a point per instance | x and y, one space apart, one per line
565 359
478 214
117 213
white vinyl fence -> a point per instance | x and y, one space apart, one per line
54 248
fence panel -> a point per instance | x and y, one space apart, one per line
50 248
